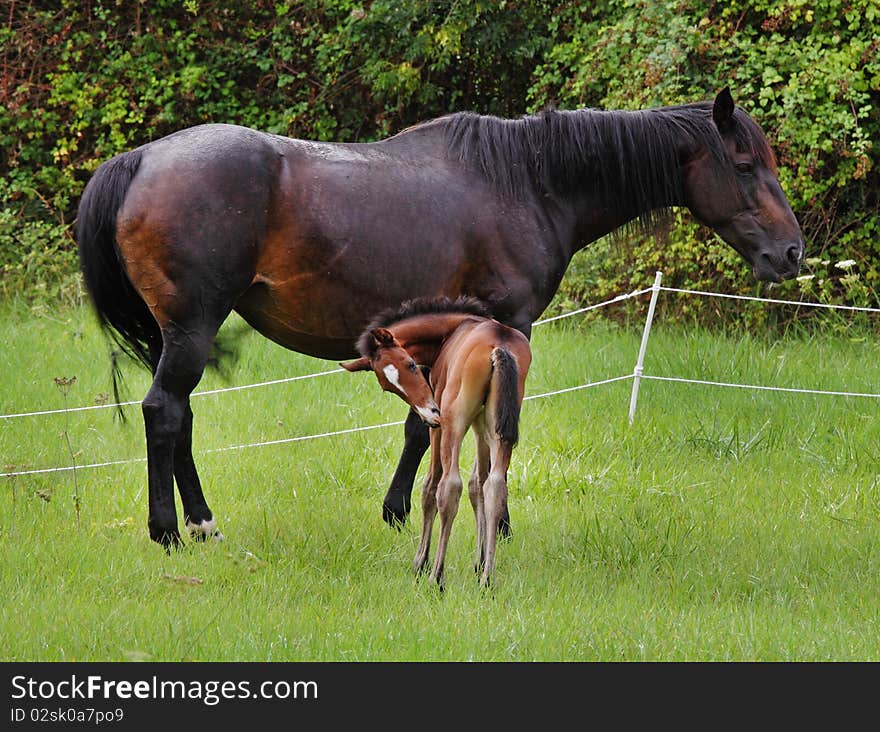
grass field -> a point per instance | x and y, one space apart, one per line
722 525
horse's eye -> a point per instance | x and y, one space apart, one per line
412 366
744 168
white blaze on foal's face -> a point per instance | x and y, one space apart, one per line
403 376
393 376
397 372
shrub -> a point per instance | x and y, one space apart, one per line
82 82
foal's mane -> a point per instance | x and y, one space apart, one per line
416 307
623 156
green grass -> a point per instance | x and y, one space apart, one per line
722 525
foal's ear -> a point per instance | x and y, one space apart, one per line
722 110
382 337
360 364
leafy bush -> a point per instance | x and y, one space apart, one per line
809 72
82 82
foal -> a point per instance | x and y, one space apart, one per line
477 372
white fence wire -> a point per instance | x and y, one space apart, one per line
636 376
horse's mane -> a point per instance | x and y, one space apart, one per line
623 156
416 307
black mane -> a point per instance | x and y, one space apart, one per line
416 307
623 156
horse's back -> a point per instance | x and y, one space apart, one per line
302 238
194 215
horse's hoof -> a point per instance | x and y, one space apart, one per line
504 528
169 539
394 515
204 530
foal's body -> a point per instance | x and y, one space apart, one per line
478 369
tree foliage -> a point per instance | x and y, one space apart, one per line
82 81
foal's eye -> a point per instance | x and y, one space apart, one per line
412 366
744 168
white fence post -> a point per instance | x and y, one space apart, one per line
637 371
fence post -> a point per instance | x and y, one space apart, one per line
637 371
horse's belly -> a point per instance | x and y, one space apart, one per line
317 299
303 316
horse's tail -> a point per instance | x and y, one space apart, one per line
504 394
121 310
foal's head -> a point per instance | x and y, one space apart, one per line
397 373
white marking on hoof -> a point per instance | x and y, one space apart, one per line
205 528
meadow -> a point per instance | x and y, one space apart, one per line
723 524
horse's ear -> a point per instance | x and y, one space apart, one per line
722 110
382 337
360 364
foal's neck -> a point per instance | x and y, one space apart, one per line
423 336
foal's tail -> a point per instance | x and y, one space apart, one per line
504 393
121 310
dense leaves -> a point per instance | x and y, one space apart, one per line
83 81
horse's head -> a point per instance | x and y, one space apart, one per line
397 373
738 195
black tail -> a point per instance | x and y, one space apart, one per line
121 311
505 385
120 308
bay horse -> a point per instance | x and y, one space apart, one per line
297 237
477 371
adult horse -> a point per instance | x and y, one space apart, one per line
297 237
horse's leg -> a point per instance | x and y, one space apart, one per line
504 522
495 501
198 517
475 491
429 505
397 503
185 353
448 493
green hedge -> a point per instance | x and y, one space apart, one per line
83 81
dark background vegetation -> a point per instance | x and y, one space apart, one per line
81 81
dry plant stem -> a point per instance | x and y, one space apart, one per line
12 486
64 385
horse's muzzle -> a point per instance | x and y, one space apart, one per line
779 265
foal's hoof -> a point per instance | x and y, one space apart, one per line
204 530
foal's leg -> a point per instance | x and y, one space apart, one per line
448 492
495 500
429 505
475 490
199 520
185 352
397 503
